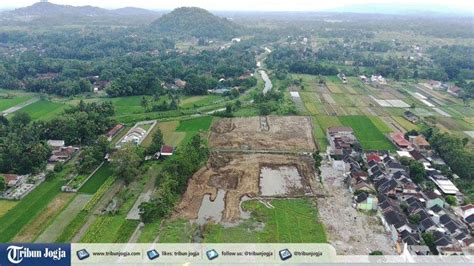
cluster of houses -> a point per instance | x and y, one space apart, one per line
382 185
441 86
18 186
60 152
374 79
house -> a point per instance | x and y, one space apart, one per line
363 186
418 156
420 143
454 90
62 154
373 157
434 84
419 250
11 180
449 251
427 224
363 78
365 202
340 139
114 131
378 79
441 239
166 150
468 213
181 84
411 117
342 77
399 140
433 199
56 144
444 184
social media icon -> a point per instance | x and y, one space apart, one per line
212 254
285 254
82 254
152 254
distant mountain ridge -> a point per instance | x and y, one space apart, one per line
50 9
399 9
195 22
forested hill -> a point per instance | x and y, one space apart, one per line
196 22
49 9
53 14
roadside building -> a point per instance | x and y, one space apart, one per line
114 131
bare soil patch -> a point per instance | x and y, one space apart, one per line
238 175
277 133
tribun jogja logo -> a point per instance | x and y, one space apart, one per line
16 254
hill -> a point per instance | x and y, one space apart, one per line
194 22
48 14
50 9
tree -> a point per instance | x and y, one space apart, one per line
3 185
156 142
429 241
414 219
317 161
21 119
417 171
126 162
451 200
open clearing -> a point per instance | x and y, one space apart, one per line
289 221
42 220
238 175
43 109
195 124
54 230
288 133
350 232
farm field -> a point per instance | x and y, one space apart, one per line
39 223
195 124
170 136
28 208
53 231
93 184
291 221
199 101
368 134
6 103
43 109
6 205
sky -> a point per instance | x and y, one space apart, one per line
242 5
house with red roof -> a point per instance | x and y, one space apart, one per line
399 140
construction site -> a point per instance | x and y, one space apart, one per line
251 158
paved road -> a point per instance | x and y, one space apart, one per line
268 82
19 106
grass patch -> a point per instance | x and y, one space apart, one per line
72 228
149 232
195 124
170 136
60 223
199 101
368 134
178 231
291 221
380 124
41 221
6 103
93 184
43 109
405 123
28 208
6 206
